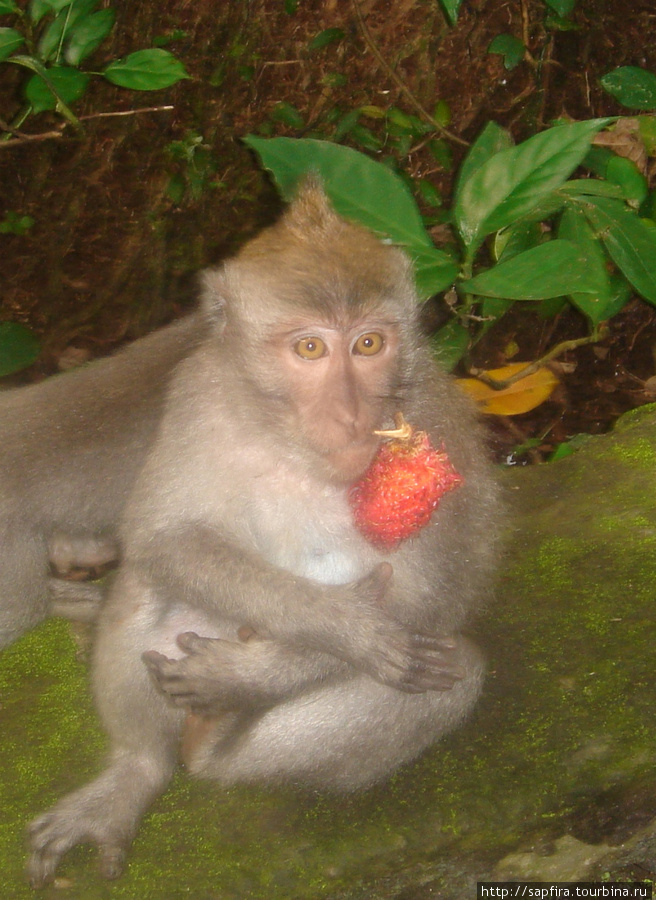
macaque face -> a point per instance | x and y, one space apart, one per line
339 378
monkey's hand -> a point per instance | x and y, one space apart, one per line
361 632
217 676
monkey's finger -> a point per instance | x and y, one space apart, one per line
190 642
435 642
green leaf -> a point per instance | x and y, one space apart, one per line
362 190
629 241
346 123
441 152
549 270
70 84
88 34
358 187
325 37
490 141
39 8
450 344
7 7
10 40
365 138
146 70
442 113
515 180
18 347
451 8
633 87
561 7
647 127
516 238
429 193
14 223
57 32
288 115
625 174
574 227
510 47
590 187
435 271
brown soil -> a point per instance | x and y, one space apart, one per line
111 254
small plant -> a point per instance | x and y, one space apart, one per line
524 230
196 168
13 223
52 38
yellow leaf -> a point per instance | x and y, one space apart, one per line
519 397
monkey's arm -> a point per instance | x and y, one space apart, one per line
218 676
195 566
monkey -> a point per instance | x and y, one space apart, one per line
70 451
249 620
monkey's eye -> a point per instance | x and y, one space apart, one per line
369 344
310 348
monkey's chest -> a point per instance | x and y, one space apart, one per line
310 533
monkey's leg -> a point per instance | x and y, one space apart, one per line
23 581
342 736
144 732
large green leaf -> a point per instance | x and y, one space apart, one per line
515 180
629 241
574 227
7 7
492 139
18 347
549 270
363 190
358 187
633 87
146 70
10 40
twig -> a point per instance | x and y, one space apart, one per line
126 112
21 137
530 368
405 90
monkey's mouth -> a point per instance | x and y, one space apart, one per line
348 463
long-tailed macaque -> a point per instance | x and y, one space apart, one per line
70 449
246 595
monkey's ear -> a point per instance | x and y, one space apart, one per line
214 294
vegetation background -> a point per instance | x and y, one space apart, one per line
103 229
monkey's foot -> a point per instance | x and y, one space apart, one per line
82 817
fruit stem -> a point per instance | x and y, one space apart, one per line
403 431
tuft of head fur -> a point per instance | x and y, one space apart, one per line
311 261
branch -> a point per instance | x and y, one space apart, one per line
597 335
21 137
405 90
